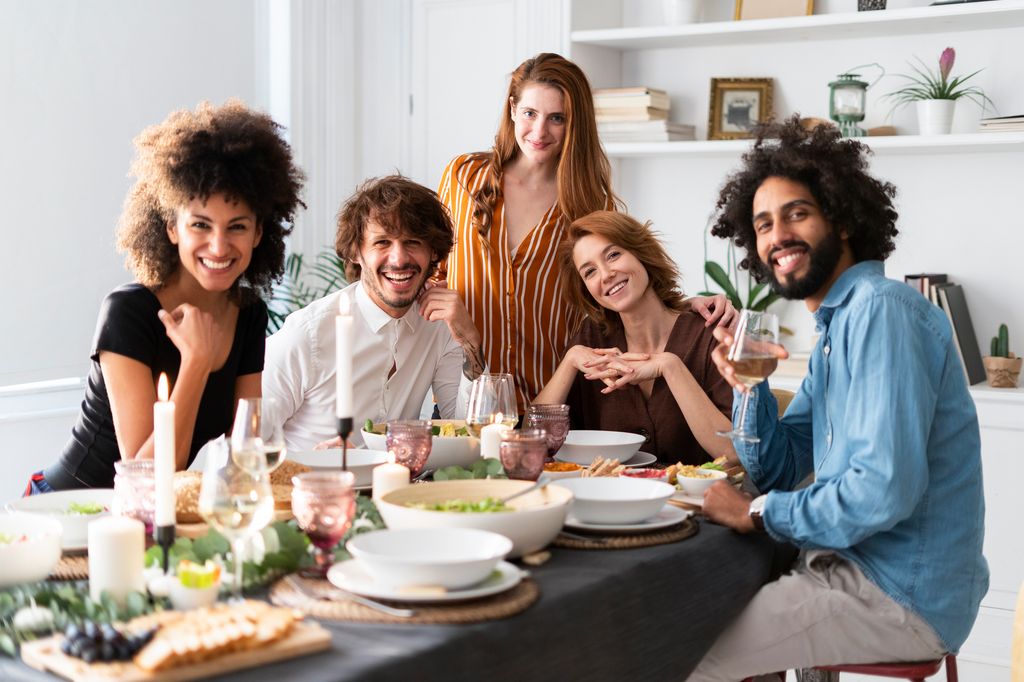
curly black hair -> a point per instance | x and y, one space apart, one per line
229 149
832 168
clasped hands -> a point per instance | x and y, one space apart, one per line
614 367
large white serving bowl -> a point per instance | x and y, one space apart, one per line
56 504
445 451
534 521
583 447
616 499
450 557
31 559
360 462
696 485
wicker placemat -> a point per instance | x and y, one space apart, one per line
663 536
75 567
494 607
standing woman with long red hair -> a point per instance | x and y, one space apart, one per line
511 206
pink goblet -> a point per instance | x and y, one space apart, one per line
522 453
552 418
409 443
324 504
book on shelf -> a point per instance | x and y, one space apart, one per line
627 92
954 304
1003 124
656 100
631 114
645 131
923 283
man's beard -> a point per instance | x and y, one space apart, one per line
390 299
823 260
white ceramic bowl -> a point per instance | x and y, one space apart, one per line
445 451
186 598
616 499
31 559
583 447
534 521
360 462
450 557
556 475
696 486
56 505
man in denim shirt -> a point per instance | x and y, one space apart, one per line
891 527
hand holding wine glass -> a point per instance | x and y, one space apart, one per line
749 359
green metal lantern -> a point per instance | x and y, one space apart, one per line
846 101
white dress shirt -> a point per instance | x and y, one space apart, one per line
395 362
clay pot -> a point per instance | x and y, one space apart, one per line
1002 372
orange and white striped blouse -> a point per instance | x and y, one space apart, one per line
514 297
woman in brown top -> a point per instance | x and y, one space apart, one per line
641 362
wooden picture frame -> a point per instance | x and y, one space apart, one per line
737 105
771 9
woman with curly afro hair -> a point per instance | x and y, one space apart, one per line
203 232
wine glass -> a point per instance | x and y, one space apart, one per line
554 419
752 356
409 443
256 434
324 505
491 395
236 500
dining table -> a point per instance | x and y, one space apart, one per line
606 614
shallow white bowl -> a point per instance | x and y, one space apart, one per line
616 499
583 447
697 486
33 559
360 462
186 598
450 557
534 521
75 535
556 475
445 451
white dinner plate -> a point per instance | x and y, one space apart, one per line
351 576
695 500
668 516
640 459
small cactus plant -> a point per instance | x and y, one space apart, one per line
1001 343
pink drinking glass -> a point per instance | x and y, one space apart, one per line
135 491
522 453
552 418
324 504
409 443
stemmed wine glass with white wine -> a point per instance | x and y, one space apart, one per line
236 500
489 396
256 434
752 356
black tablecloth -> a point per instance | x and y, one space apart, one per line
639 614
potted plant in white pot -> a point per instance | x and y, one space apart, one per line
935 93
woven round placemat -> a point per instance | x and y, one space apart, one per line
71 568
494 607
660 537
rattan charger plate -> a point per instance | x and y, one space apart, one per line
664 536
494 607
71 567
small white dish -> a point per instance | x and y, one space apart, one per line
668 516
360 462
640 459
352 576
186 598
695 487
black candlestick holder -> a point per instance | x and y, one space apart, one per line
344 430
164 536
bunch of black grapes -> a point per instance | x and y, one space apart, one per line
92 642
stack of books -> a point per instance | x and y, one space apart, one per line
950 298
637 114
1002 124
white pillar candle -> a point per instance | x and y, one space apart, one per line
163 455
490 438
343 358
117 548
387 477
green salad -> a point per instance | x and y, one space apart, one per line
447 430
85 508
488 504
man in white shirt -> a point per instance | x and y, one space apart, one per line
408 337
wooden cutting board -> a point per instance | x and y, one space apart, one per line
305 638
197 530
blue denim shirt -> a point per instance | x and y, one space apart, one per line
886 424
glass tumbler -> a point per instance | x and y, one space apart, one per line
552 418
522 453
409 443
135 491
324 504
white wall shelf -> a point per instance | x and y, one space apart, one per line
916 20
894 144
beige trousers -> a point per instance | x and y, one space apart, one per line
823 613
